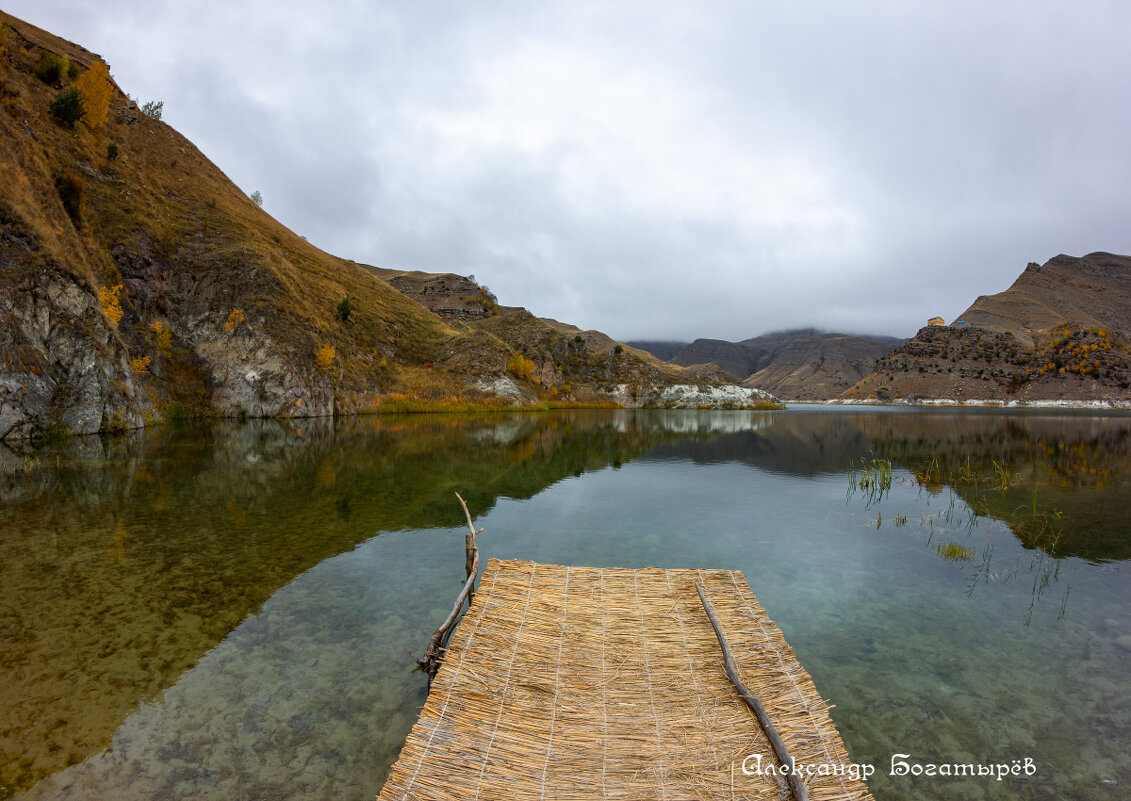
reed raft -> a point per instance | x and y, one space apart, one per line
584 683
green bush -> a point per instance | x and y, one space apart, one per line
54 434
112 151
343 311
116 425
153 108
71 189
67 106
52 67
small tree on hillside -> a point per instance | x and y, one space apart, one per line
343 310
95 87
154 109
257 198
67 107
51 68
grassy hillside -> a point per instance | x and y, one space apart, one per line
130 202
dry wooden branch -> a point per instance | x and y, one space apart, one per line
780 751
470 546
430 662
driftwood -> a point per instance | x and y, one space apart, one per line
430 662
780 751
469 545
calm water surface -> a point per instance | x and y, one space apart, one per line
228 612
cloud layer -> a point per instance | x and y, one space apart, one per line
660 170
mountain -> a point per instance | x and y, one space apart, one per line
803 364
820 366
660 349
1060 332
1093 291
138 283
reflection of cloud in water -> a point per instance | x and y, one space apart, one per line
298 701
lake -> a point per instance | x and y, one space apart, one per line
228 611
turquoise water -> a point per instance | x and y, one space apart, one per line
228 612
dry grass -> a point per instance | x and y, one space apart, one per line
576 682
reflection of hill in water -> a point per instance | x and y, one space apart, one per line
797 444
131 558
1080 465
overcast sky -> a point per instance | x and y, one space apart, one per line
664 170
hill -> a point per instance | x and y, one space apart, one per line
804 364
1059 333
820 366
138 283
660 349
1093 291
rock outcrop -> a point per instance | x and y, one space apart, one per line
62 365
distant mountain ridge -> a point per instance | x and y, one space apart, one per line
800 364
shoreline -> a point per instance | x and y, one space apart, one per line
982 403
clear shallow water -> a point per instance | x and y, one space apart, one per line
227 613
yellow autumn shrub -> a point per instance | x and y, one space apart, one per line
234 318
95 87
110 298
325 358
521 367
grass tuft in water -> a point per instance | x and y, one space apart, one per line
872 478
955 552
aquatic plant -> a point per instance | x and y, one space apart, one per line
955 552
872 479
1002 473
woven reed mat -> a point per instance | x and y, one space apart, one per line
583 683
